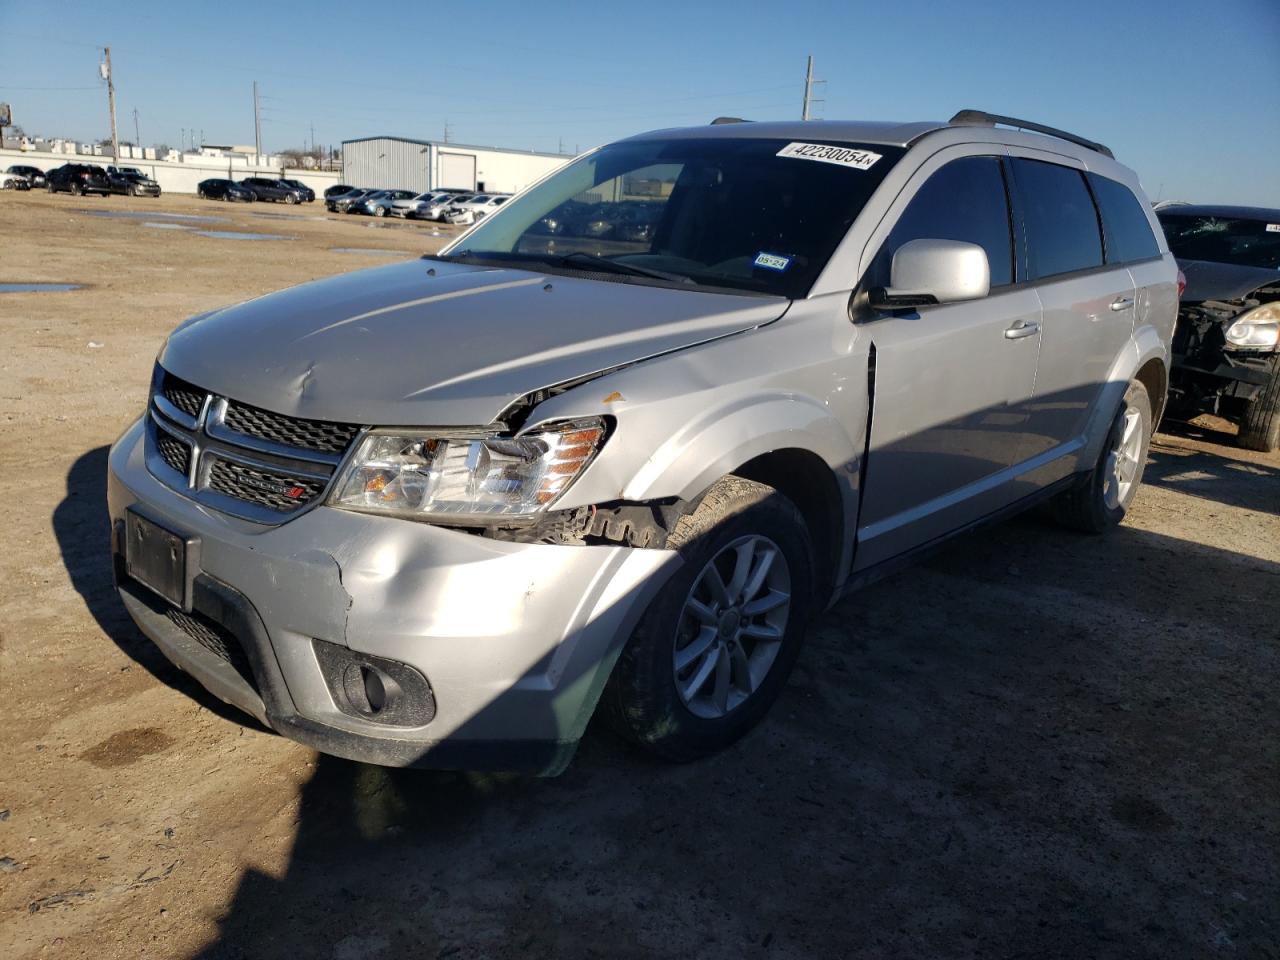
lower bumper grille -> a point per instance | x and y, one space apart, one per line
215 638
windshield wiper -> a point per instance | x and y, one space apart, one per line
619 267
575 259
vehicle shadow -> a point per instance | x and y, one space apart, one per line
971 758
1219 475
83 532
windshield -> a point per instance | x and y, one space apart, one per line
758 215
1247 243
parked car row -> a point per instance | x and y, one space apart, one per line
443 205
277 190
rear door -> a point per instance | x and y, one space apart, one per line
952 381
1088 305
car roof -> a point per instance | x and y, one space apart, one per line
1270 214
852 131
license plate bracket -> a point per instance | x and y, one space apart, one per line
163 561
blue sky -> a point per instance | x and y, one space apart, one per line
1186 91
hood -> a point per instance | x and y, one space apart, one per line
1207 280
432 343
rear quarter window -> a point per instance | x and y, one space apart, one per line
1061 222
1125 227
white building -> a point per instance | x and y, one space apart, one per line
390 162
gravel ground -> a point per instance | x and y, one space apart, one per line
1036 744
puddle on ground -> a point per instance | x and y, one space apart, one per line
237 235
283 216
142 215
371 252
165 226
38 287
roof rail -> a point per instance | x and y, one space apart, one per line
728 120
979 118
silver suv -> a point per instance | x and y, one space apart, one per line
618 442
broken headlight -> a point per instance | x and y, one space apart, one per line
1259 328
466 479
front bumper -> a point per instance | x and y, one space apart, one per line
515 640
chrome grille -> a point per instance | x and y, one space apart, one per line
290 431
176 453
240 459
182 395
273 489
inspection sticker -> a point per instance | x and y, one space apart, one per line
1273 228
824 152
771 261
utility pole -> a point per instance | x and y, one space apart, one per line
137 137
111 100
809 84
257 124
446 131
313 138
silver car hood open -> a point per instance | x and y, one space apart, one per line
433 343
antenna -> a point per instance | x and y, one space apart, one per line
809 84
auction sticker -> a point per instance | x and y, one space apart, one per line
771 261
1273 228
826 153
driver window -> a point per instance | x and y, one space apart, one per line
964 200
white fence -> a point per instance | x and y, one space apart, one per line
176 176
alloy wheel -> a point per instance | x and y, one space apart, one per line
1123 459
731 626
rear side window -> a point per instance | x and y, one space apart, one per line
965 200
1060 219
1124 223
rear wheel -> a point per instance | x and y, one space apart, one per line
1260 428
714 649
1102 497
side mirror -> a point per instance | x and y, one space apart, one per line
925 272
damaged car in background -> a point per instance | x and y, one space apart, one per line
1226 358
440 513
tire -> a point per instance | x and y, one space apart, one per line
133 191
641 701
379 211
76 189
1260 428
50 187
289 198
1102 497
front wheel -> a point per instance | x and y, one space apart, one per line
715 647
76 189
290 198
1102 497
379 211
1260 428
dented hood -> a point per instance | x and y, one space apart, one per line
439 344
1207 280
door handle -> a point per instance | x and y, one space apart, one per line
1022 328
1121 303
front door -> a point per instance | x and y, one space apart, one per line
953 381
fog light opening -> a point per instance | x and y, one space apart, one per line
375 691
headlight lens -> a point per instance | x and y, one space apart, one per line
1260 327
466 478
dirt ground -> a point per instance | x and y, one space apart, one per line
1037 744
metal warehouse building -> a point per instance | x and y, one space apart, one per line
422 165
